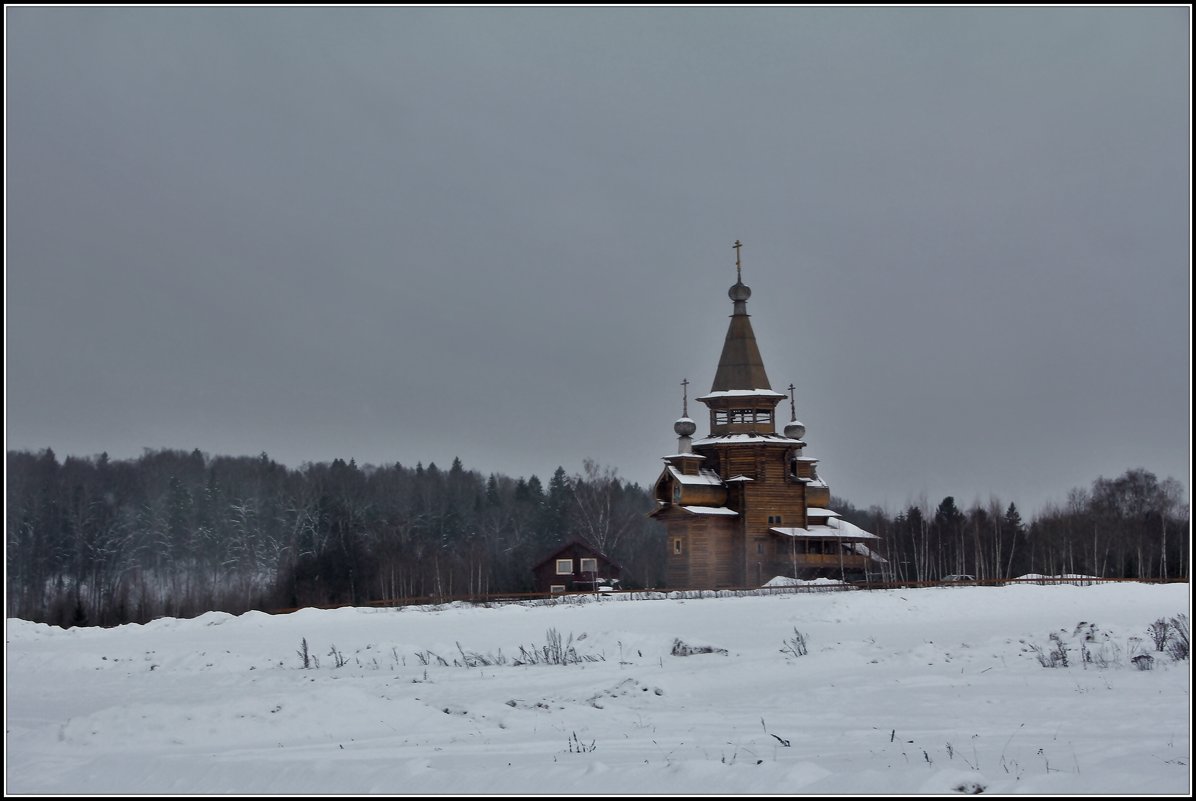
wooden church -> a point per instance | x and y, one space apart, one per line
744 504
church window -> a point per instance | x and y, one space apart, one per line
677 546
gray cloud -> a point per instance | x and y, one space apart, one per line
504 234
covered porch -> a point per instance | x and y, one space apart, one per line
835 548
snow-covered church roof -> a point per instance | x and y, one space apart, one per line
834 529
704 477
750 438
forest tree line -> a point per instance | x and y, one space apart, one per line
1133 526
94 541
100 541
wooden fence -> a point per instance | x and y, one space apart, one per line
722 592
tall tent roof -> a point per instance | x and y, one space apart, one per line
740 365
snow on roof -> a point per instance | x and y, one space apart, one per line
739 478
791 531
864 550
711 510
850 529
745 439
846 531
684 456
704 477
818 511
743 393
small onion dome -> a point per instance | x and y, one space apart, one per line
740 291
794 430
685 427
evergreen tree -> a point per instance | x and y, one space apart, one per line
98 541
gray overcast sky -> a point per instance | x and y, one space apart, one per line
409 234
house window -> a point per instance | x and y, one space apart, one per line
564 567
676 546
557 588
774 520
589 565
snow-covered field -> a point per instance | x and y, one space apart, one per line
903 691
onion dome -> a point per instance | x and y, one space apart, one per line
739 291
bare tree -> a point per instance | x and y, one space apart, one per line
600 516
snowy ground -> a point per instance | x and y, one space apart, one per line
903 691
